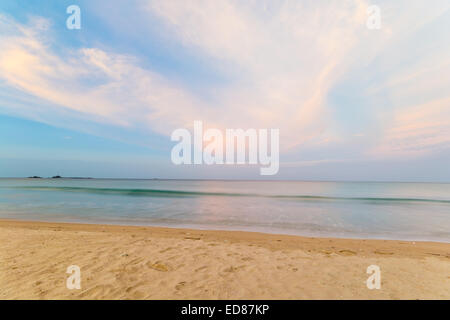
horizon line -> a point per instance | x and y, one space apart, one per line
218 179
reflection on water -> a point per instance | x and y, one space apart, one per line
410 211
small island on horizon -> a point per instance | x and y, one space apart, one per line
58 177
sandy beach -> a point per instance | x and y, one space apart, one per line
124 262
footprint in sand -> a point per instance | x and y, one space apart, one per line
180 285
436 254
381 252
347 252
192 238
201 268
135 261
233 269
158 266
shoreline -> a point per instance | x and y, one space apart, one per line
218 229
290 240
142 262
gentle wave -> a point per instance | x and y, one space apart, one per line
180 193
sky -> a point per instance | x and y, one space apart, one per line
351 103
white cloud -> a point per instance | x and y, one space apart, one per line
417 131
109 87
283 58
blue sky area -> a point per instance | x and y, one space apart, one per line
351 102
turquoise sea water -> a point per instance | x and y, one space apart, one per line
408 211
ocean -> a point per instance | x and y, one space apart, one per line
371 210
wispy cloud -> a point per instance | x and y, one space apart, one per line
417 130
281 61
110 87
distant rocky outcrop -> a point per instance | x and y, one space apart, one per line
34 177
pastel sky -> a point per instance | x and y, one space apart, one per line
351 103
